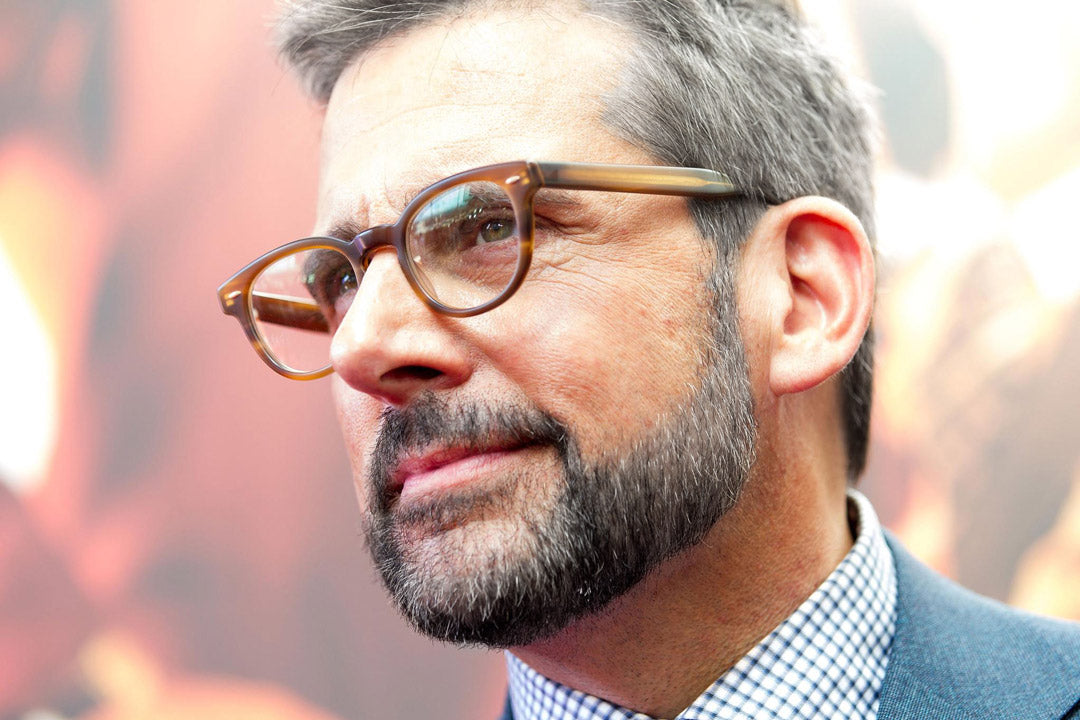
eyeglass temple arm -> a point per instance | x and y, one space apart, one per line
291 312
636 179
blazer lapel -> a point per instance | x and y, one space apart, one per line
956 655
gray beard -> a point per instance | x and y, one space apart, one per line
606 524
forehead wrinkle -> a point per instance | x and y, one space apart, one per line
497 72
431 110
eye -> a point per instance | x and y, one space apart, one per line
341 282
331 281
494 231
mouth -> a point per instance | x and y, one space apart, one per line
440 469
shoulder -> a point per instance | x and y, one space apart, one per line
957 654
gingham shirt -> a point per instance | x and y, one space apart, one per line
827 660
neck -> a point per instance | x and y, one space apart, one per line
658 647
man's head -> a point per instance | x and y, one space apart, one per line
742 85
526 466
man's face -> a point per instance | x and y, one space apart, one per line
525 466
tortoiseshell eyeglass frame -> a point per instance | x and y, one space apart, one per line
521 180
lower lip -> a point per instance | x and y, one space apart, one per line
453 474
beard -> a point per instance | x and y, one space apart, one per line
573 542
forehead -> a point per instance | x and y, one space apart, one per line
471 90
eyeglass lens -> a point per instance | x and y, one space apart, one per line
462 248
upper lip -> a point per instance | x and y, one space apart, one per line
434 457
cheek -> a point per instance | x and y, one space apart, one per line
358 417
608 356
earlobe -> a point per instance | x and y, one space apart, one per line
829 269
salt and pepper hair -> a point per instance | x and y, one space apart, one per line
742 86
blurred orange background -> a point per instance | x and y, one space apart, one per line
178 534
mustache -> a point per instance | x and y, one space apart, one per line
432 422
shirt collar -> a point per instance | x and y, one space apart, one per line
827 659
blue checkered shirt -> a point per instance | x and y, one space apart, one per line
827 660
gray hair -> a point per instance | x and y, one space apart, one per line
742 86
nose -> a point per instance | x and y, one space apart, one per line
392 346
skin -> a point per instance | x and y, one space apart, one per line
605 341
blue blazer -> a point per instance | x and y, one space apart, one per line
959 656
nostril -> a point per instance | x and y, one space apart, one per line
412 372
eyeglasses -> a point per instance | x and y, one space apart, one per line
464 243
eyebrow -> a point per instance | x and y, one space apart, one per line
347 228
560 198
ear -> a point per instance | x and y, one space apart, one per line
826 266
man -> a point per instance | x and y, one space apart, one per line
595 281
